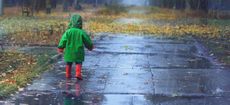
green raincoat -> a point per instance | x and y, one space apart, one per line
74 40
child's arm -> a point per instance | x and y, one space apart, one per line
87 41
62 43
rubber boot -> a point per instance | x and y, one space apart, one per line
68 71
78 72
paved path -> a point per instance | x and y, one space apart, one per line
135 70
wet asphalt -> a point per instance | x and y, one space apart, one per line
134 70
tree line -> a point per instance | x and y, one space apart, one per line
203 5
37 5
200 5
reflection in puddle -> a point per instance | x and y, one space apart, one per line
72 98
199 63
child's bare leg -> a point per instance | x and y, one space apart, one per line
68 69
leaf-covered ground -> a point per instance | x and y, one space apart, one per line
15 70
175 23
47 29
31 30
166 30
18 69
161 22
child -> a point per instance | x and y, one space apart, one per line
73 41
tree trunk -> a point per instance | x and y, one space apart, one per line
1 7
188 6
96 3
198 5
65 6
32 7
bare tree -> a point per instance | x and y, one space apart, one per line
1 7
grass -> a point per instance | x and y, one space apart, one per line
219 46
220 49
28 30
24 72
219 22
111 10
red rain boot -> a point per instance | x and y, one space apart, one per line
78 71
68 71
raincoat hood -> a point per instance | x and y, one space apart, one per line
75 21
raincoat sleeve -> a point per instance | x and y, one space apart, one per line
87 41
62 43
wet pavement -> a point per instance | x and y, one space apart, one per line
129 21
134 70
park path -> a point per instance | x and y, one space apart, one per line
134 70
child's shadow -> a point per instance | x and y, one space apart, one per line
72 95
